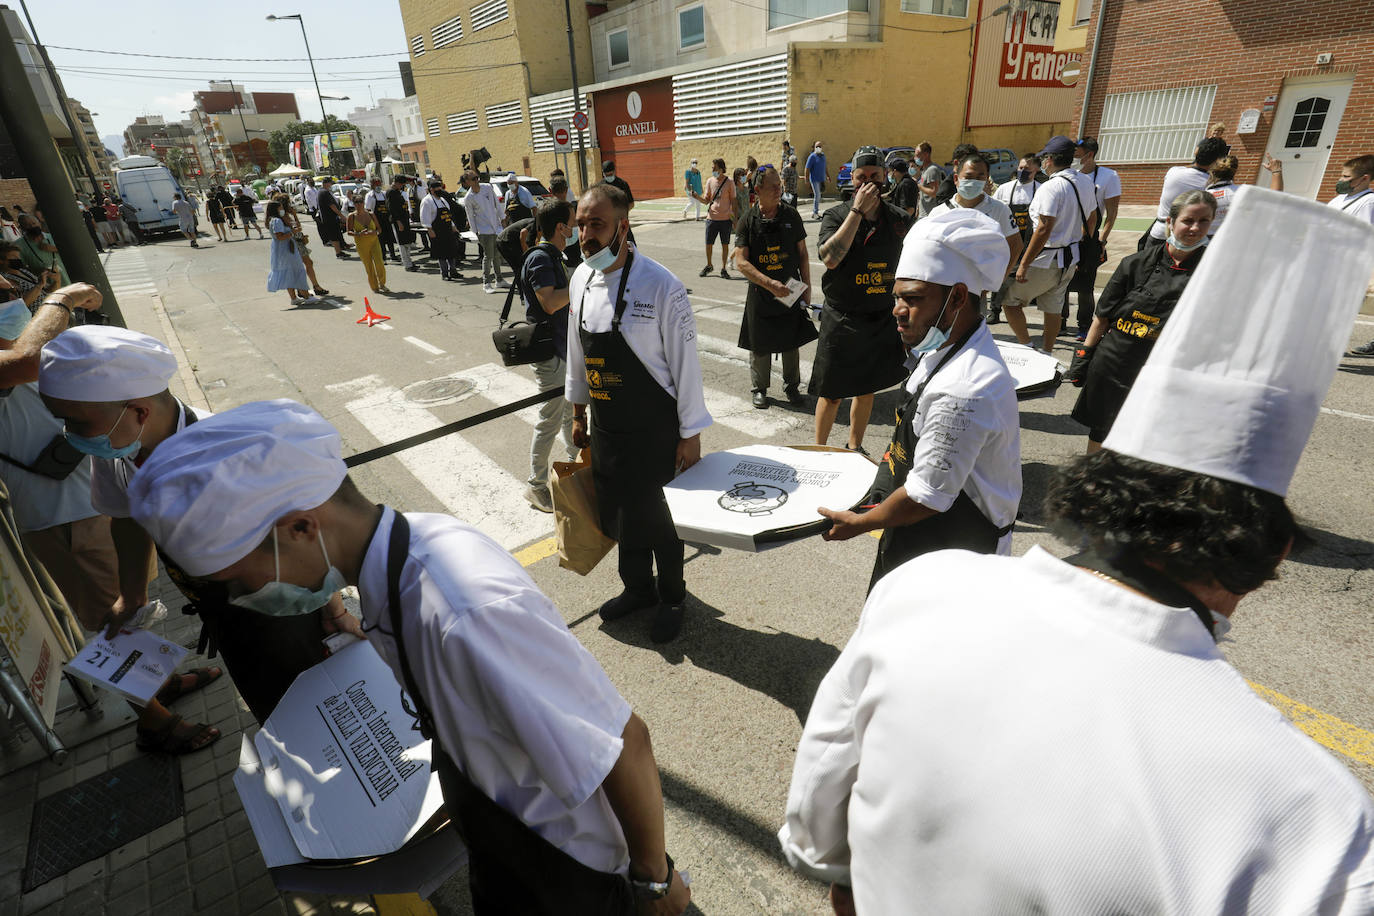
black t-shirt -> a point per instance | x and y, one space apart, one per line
397 207
772 245
245 205
905 194
622 185
543 267
862 282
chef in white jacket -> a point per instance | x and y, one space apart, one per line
1015 735
547 773
632 356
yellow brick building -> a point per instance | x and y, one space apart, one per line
666 81
477 65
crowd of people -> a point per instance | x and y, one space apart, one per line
898 802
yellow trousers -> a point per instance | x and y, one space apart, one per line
370 251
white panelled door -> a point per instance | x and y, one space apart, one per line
1305 124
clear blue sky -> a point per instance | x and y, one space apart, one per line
122 87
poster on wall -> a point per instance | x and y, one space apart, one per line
1018 77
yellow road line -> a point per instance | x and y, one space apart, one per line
1328 731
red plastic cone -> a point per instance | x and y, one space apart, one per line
370 317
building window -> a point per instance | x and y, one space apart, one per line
1083 12
432 126
782 13
691 27
1309 117
746 98
1160 126
462 122
504 114
426 157
618 47
957 8
489 13
446 33
417 46
551 108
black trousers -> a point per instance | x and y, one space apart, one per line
637 569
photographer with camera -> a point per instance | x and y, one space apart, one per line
59 309
29 285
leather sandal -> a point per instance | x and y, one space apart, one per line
172 739
177 687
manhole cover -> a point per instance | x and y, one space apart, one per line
438 391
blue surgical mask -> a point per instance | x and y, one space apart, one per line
14 317
100 447
971 188
935 338
283 599
605 257
1179 246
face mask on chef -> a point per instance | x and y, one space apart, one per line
971 188
285 599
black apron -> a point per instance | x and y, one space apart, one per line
511 868
1020 214
444 245
768 325
962 526
399 211
515 210
262 653
382 210
634 433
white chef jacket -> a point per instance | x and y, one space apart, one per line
484 214
1178 179
970 433
519 704
1360 206
1015 192
1056 198
429 210
310 195
373 198
1079 749
1224 194
110 477
26 428
658 324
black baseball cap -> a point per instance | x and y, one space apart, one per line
866 156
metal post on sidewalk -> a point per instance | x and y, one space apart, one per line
56 198
577 101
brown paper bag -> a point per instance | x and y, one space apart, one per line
581 544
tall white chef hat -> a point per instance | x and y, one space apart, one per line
960 245
212 492
104 363
1234 384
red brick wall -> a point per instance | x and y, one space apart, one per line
1246 48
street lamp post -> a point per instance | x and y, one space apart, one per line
328 134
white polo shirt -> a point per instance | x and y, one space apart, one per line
1359 205
969 431
1106 182
658 325
520 705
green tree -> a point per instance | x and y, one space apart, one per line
177 160
278 140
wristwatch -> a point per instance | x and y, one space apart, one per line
654 890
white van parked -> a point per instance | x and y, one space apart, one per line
148 185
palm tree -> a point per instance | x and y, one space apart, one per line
177 160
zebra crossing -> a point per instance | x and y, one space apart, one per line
128 273
485 488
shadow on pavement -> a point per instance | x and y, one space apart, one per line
761 836
1060 424
1318 547
778 664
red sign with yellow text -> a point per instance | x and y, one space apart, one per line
1028 55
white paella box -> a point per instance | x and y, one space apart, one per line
761 496
1034 371
338 787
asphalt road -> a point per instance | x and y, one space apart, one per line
726 701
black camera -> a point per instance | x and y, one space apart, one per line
86 316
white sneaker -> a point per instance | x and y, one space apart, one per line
502 284
490 289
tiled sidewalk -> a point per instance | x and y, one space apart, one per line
206 862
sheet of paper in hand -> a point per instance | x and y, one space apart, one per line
135 664
1035 372
760 496
350 777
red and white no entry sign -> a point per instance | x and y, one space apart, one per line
561 137
580 120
